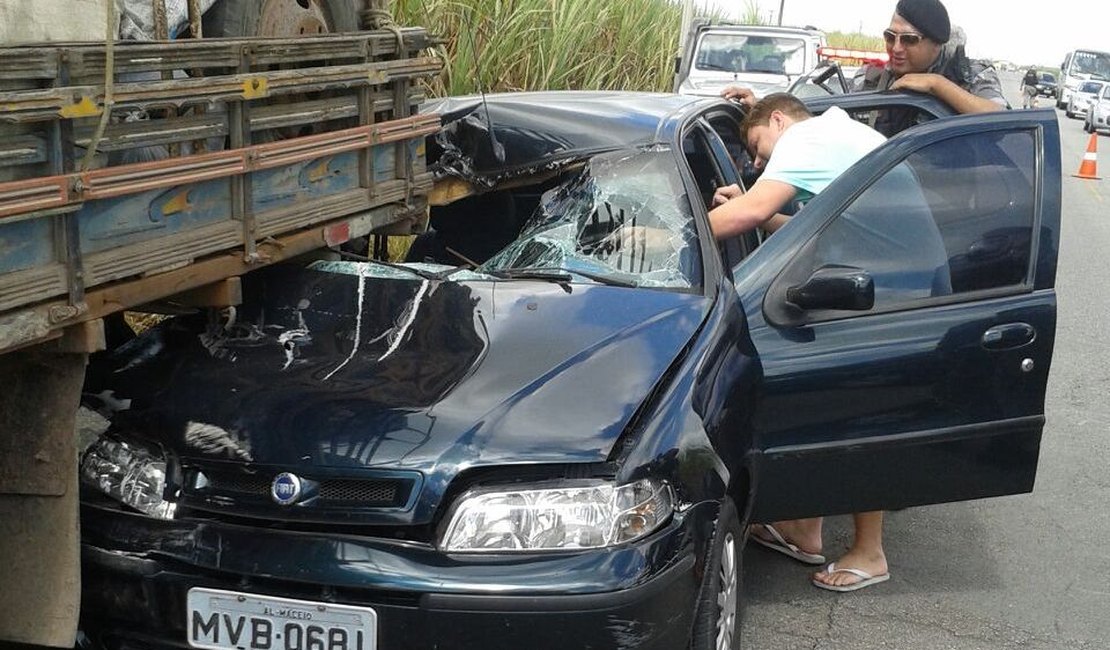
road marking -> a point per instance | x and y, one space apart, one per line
1094 190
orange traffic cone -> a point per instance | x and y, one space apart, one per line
1089 167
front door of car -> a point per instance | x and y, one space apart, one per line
905 321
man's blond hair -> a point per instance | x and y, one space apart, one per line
760 113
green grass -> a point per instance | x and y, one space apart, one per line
856 41
506 45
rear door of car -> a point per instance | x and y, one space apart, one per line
935 392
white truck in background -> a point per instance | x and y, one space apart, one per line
1079 66
765 58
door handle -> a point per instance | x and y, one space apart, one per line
1009 336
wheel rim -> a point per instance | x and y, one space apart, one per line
728 592
293 18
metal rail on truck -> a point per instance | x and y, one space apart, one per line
266 149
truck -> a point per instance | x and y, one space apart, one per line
764 58
1080 65
152 175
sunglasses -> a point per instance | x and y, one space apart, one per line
908 39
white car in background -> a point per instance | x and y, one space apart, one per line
1098 113
1082 96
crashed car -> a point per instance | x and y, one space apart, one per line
559 443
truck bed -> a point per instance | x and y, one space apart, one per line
222 155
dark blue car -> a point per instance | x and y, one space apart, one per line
540 434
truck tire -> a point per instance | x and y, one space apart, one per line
281 17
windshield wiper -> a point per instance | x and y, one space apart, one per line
558 274
427 275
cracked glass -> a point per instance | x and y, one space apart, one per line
625 218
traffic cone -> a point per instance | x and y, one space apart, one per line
1089 167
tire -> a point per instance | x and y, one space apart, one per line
243 17
720 597
1070 114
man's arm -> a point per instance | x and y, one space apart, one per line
960 100
750 210
739 94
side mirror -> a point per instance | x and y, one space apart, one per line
834 287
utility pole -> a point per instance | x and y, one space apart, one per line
684 32
782 4
687 18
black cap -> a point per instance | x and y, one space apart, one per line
928 16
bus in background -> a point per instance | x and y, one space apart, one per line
1079 66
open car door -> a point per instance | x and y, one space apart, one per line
905 321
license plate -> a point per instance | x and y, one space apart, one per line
226 620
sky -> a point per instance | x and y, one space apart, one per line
995 30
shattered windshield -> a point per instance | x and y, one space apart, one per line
624 218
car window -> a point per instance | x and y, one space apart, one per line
732 157
699 156
891 120
954 218
727 130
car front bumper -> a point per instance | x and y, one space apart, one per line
1100 120
636 596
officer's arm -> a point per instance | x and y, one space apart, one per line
948 92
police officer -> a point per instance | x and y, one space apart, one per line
1029 89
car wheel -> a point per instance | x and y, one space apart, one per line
717 618
1070 114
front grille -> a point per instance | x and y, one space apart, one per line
238 483
330 493
383 492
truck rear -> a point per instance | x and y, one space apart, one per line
154 174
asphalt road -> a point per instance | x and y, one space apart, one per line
1028 572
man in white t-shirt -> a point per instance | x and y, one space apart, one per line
809 152
800 156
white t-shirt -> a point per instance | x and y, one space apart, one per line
813 152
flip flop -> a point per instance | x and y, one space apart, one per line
865 579
779 543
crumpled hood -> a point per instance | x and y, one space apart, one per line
335 370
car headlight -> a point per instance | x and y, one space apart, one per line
130 474
559 518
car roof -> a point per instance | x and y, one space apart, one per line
535 129
770 29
